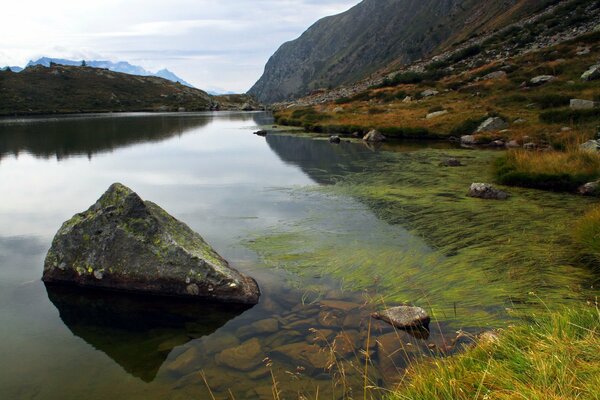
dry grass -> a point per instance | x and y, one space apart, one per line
587 234
549 170
555 357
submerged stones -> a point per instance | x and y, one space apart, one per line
126 244
404 317
487 191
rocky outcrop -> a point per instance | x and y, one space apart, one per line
492 124
487 191
126 244
404 317
592 73
374 136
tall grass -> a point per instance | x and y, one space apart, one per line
563 171
554 357
587 234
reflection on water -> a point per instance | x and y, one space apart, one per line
253 199
137 332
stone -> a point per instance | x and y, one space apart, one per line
530 146
541 80
374 136
186 362
451 162
580 104
429 93
407 99
338 110
261 133
497 143
345 343
492 124
319 336
519 121
404 317
590 189
582 51
592 73
468 140
591 145
262 327
335 139
495 75
513 144
329 319
312 358
436 114
123 243
244 357
487 191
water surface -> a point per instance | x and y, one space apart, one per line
266 205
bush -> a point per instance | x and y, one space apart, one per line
568 116
558 171
551 100
467 127
408 133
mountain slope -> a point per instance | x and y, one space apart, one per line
347 47
71 89
121 66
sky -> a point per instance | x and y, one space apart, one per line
213 44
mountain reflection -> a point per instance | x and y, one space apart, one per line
137 332
90 135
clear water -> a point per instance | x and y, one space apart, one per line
208 170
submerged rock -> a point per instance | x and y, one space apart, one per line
244 357
124 243
404 317
335 139
487 191
374 136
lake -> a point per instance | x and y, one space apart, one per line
330 232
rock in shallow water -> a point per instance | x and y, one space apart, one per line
404 317
487 191
127 244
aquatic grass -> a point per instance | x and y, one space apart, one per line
548 170
471 259
587 234
555 356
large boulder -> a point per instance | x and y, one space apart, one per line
374 136
492 124
592 73
404 317
487 191
124 243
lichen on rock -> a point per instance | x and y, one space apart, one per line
127 244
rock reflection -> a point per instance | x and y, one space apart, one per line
137 332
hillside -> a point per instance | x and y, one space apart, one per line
375 34
75 89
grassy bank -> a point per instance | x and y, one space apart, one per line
554 357
553 170
587 235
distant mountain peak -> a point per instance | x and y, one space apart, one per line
119 66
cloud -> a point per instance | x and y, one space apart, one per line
210 43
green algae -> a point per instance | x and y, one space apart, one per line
472 262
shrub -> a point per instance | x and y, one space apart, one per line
408 133
568 116
551 100
558 171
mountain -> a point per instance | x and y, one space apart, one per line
13 68
120 66
75 89
347 47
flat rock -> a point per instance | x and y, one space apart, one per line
126 244
404 317
495 75
436 114
542 79
312 358
429 93
244 357
487 191
492 124
265 326
580 104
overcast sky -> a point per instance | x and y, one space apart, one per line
210 43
